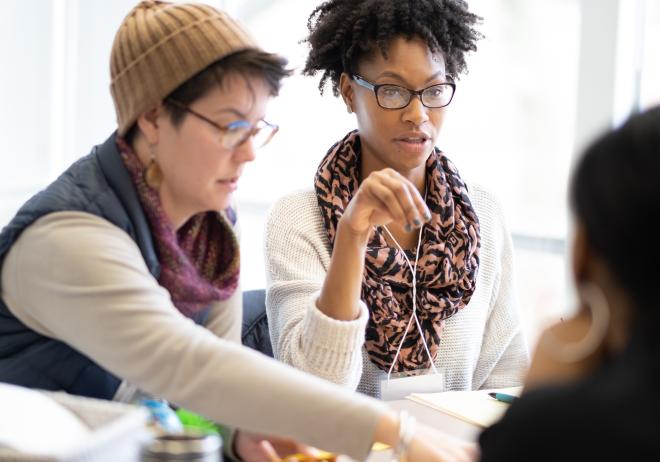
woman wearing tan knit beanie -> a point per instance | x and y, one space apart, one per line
121 278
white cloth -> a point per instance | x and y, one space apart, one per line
482 346
78 278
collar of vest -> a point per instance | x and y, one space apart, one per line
118 178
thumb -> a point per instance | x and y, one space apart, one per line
268 451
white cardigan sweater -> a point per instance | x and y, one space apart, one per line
482 346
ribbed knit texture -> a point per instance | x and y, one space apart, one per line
482 346
159 46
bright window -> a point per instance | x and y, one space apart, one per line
548 75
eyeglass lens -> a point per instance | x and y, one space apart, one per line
395 97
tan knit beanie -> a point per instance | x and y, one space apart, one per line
159 46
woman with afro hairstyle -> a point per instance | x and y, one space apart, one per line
393 263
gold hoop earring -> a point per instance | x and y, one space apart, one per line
153 175
572 352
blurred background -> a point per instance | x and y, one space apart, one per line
548 76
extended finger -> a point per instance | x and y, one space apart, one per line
268 452
408 197
385 200
422 210
420 204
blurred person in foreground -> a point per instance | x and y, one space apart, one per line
592 390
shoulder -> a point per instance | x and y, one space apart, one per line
295 203
83 186
77 241
73 229
295 219
486 203
492 220
295 233
297 210
68 257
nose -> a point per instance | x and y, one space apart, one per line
415 113
246 151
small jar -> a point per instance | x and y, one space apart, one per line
189 447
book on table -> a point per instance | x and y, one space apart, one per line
476 407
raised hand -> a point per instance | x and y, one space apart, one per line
385 196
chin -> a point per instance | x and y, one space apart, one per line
224 204
219 203
411 163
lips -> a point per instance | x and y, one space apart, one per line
413 137
414 143
229 183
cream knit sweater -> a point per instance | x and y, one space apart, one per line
482 346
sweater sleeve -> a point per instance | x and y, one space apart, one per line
504 357
77 278
225 317
297 258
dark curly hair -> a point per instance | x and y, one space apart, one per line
343 31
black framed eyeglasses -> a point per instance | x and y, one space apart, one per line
391 96
235 133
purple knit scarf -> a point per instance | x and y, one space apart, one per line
200 261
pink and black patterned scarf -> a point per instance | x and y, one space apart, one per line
448 262
200 261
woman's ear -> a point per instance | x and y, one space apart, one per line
580 255
148 124
346 90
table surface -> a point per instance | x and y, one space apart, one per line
433 418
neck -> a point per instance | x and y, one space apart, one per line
177 215
370 164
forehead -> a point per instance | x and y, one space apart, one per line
243 92
410 58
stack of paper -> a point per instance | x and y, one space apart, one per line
33 423
475 407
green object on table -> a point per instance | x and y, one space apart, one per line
193 421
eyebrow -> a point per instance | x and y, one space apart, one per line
237 113
232 111
398 77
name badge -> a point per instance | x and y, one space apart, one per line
403 384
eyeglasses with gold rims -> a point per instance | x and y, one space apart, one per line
391 96
236 133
